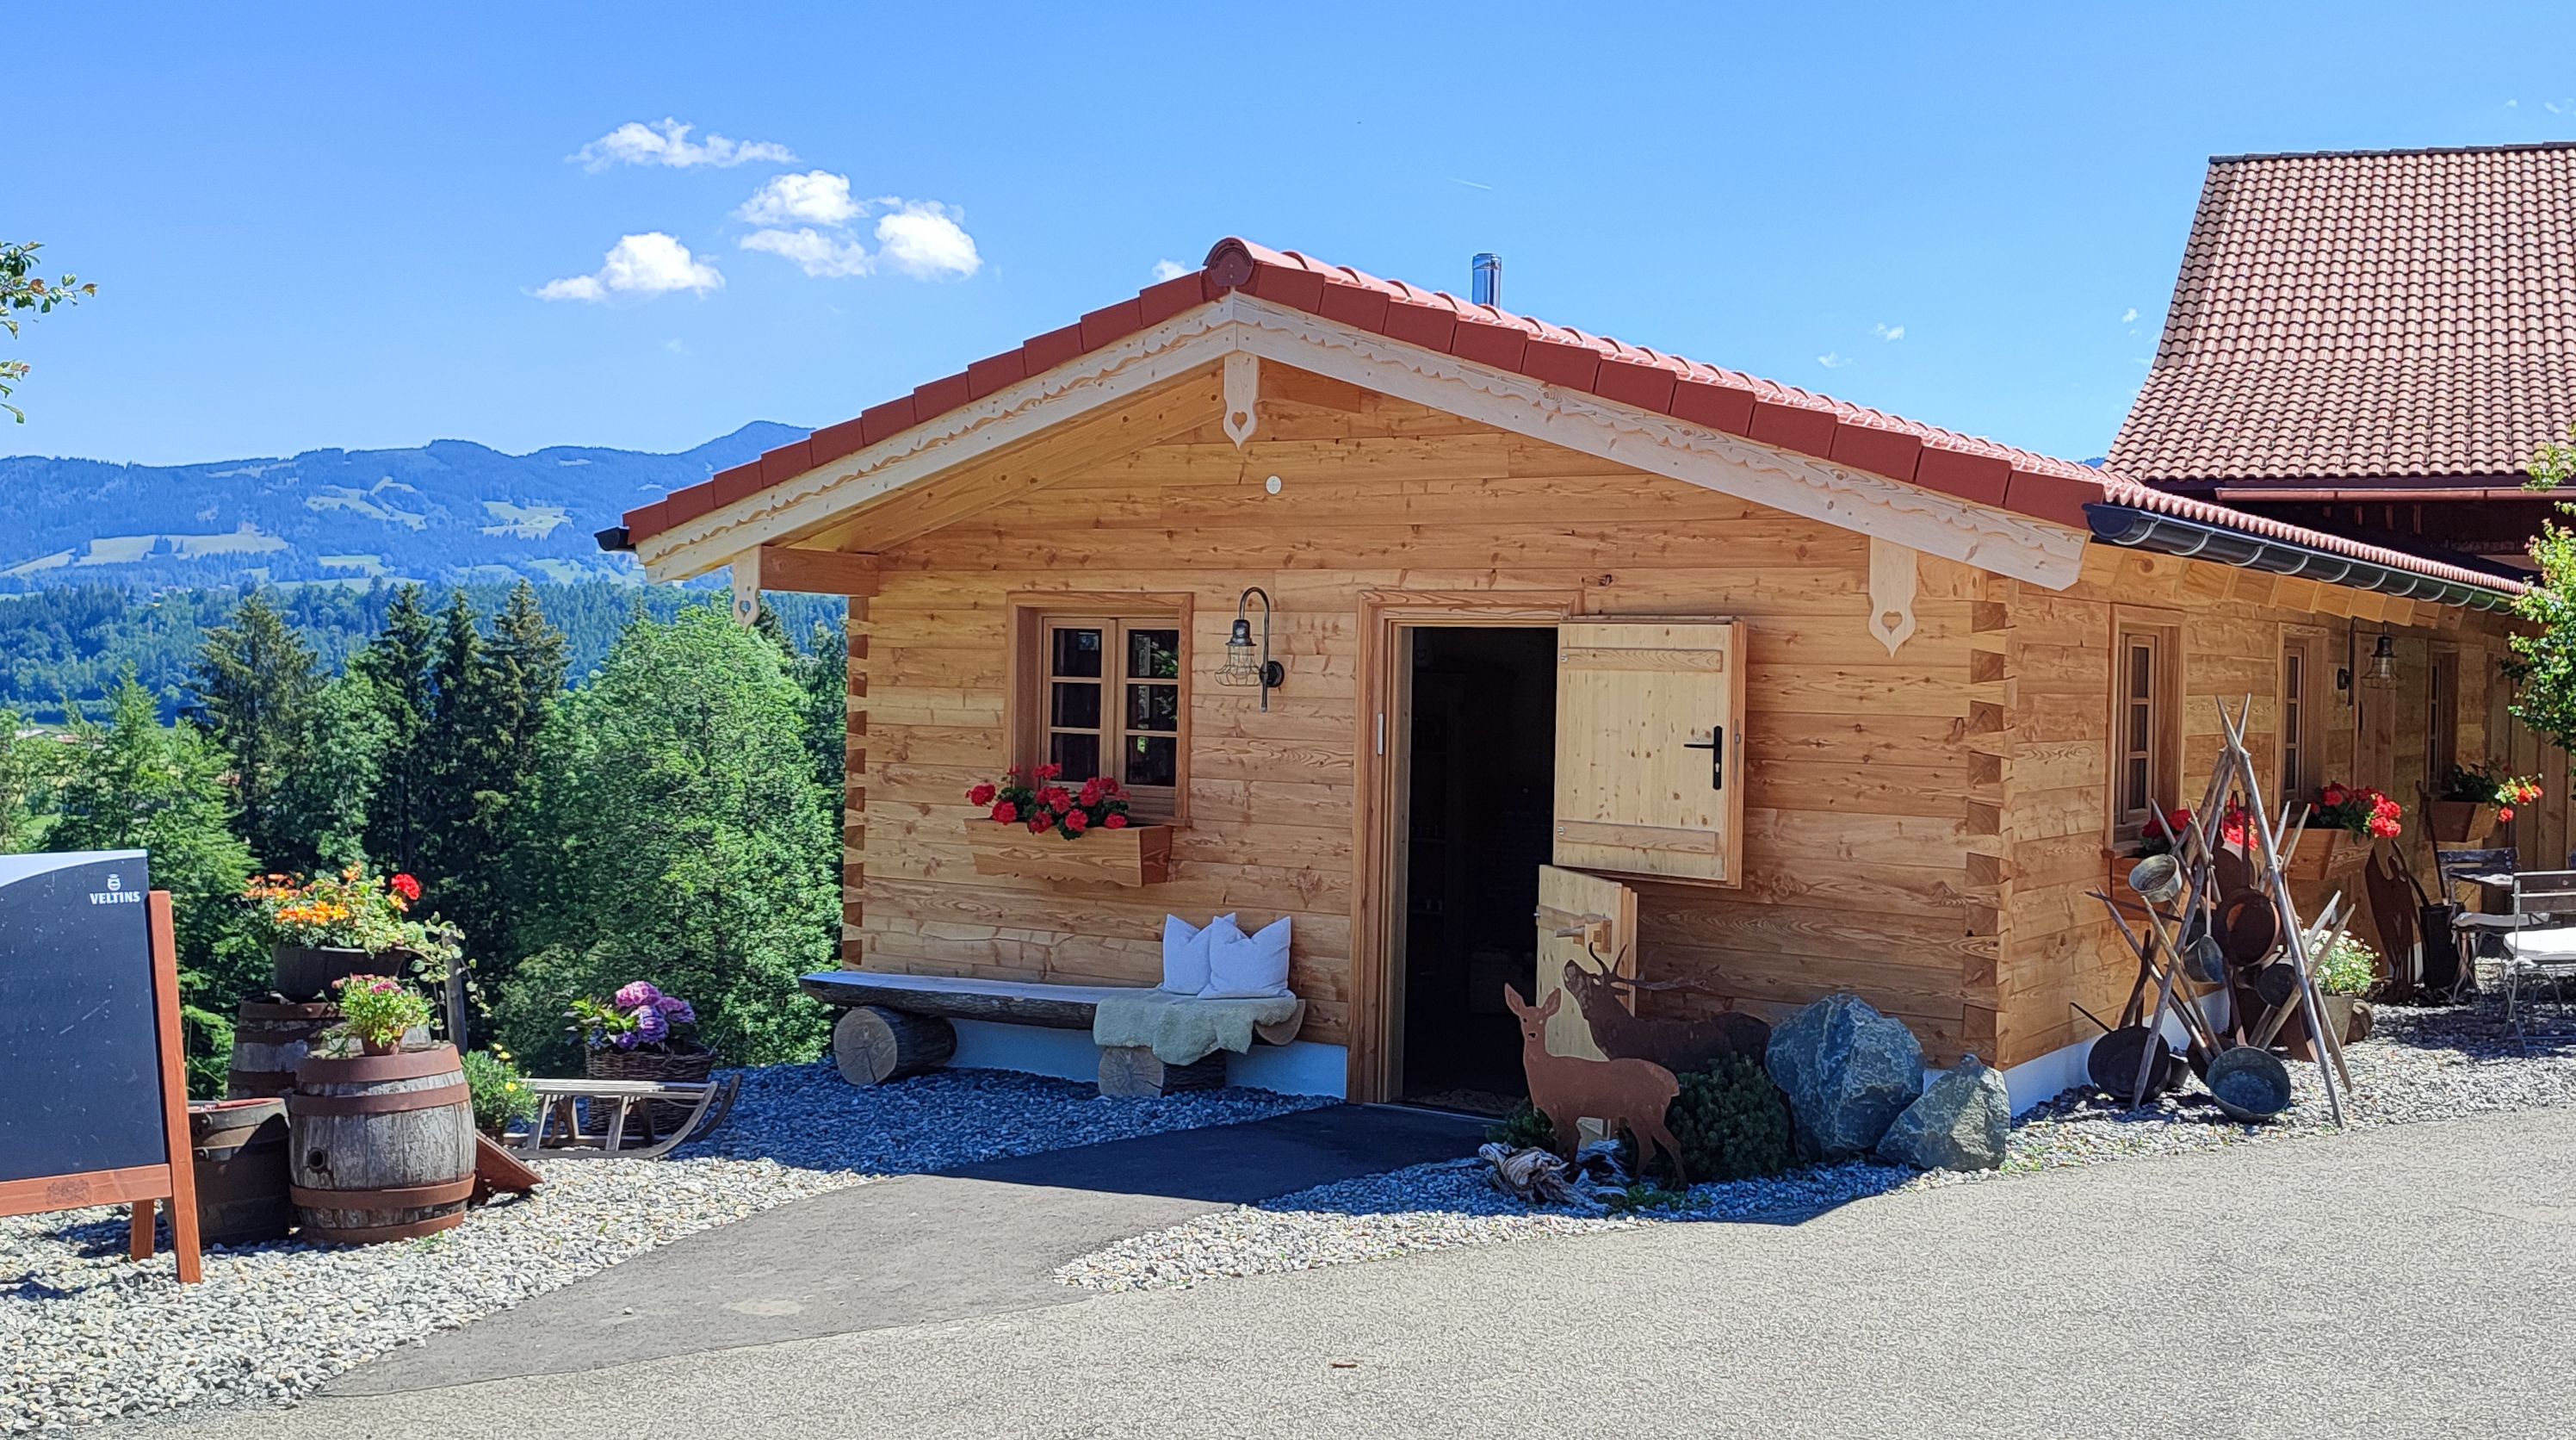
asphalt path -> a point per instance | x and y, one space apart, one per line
2410 1281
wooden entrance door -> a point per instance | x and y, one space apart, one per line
1649 748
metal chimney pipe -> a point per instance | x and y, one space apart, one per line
1487 288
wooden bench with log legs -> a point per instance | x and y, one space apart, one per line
892 1026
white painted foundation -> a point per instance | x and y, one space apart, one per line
1301 1067
2034 1081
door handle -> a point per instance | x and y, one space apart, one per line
1715 745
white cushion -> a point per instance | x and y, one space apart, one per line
1244 966
1185 953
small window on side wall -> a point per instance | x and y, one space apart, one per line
2300 761
1107 694
2146 744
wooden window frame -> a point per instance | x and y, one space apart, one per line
2294 779
1027 714
2161 631
2441 715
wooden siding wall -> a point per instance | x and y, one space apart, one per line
1856 858
2050 740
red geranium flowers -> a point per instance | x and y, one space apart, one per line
1032 798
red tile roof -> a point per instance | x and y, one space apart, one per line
1859 438
2363 315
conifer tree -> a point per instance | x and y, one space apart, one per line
136 784
397 665
254 690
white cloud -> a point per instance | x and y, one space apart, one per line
643 265
1169 270
817 197
920 238
676 346
815 253
668 143
2129 316
2511 104
1888 332
1833 361
923 240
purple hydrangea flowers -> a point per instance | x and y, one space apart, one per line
637 995
639 1015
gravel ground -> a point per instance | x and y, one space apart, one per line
86 1335
2419 1064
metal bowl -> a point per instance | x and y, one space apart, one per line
2158 877
2250 1084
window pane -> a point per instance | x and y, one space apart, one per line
1077 706
2133 796
1153 760
2137 727
1154 654
1154 707
1078 754
2142 669
1077 652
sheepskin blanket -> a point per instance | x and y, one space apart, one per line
1184 1029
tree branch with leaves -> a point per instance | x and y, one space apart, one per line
24 288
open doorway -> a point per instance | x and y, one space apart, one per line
1478 793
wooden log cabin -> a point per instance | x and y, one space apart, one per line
1760 695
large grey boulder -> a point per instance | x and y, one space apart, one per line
1848 1072
1959 1124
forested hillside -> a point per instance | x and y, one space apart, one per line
75 641
443 513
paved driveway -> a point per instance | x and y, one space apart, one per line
2418 1280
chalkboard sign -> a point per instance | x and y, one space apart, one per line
80 1024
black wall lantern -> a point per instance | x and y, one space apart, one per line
1242 667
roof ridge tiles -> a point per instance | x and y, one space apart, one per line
1769 412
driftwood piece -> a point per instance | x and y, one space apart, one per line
1131 1072
1630 1095
872 1044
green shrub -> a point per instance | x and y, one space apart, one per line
1731 1121
500 1092
1523 1129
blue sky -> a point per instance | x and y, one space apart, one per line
332 226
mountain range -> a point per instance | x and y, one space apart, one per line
448 513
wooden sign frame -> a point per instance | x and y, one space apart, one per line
143 1186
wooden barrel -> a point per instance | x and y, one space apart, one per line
269 1041
239 1153
382 1146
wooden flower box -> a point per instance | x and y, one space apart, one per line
2460 822
1137 855
2326 855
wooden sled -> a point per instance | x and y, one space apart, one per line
628 1130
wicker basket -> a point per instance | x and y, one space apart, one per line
685 1066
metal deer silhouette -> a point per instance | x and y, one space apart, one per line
1681 1046
1630 1095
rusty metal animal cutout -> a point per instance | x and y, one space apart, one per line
1681 1046
1630 1095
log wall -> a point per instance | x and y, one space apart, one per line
2050 740
1919 828
1856 862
